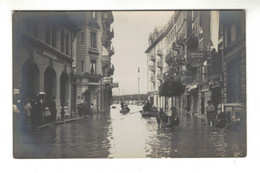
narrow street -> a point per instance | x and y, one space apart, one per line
131 136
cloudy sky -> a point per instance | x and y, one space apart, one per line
132 29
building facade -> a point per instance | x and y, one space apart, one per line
234 62
155 65
206 49
93 68
42 56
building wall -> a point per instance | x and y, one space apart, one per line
235 51
85 54
32 49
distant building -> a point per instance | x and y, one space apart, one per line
134 98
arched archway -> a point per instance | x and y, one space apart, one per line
50 83
30 79
64 89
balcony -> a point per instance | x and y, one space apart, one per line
160 76
105 60
152 79
107 18
152 67
111 52
152 57
193 40
92 78
160 52
160 64
107 37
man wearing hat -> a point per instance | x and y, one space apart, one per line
210 109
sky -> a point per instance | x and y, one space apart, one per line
131 33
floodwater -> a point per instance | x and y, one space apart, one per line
131 136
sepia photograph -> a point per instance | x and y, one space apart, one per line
129 84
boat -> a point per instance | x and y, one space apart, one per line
125 111
148 113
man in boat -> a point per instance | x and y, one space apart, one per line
122 104
126 108
147 106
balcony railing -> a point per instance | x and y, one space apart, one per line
160 52
160 64
152 67
152 78
107 36
105 60
160 76
152 58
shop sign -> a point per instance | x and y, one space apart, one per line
114 85
193 86
196 55
196 64
107 80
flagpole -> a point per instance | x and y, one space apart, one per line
138 83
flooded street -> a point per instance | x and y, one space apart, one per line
131 136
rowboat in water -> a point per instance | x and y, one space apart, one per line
148 113
125 110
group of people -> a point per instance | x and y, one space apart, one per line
149 107
162 118
211 112
33 106
219 118
124 107
84 109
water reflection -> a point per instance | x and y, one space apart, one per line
131 136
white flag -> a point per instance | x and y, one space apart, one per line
214 28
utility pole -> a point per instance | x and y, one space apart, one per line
138 83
